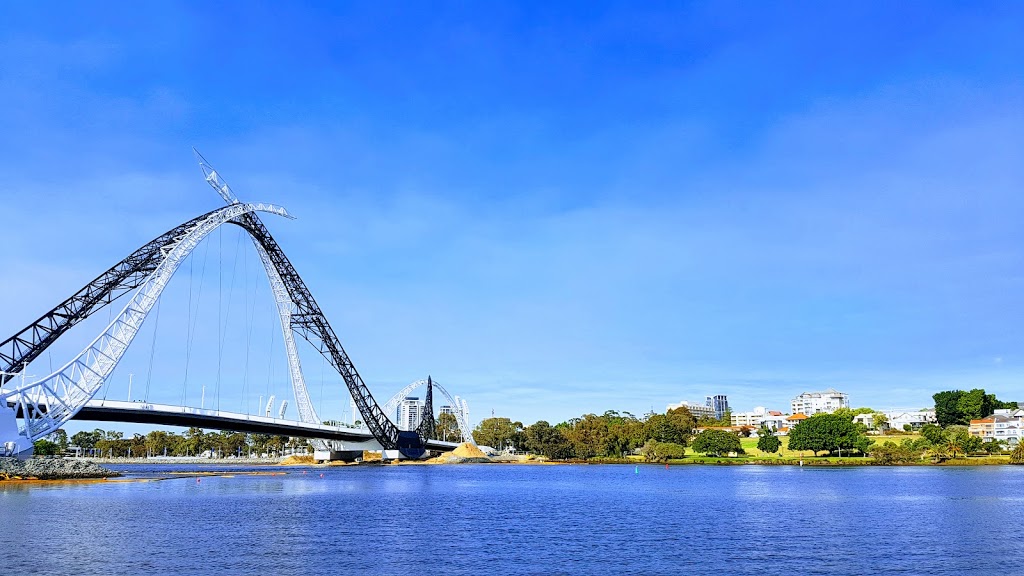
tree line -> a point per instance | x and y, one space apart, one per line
193 442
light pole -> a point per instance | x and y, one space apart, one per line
130 386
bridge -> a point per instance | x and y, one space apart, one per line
31 408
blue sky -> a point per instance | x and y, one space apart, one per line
556 209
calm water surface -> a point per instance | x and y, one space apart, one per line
505 519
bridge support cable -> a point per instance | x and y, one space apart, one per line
302 315
48 403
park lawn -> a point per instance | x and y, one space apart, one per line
749 446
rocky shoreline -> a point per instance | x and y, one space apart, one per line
52 468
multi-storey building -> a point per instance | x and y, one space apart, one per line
771 419
718 403
1005 425
817 402
410 411
698 410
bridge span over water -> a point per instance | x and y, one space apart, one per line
343 438
31 409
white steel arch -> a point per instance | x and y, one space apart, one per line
48 403
392 405
285 307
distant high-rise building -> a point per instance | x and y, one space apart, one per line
814 402
719 404
410 412
446 409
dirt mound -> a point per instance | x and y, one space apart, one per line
467 450
465 453
297 460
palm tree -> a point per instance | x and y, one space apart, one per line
1017 456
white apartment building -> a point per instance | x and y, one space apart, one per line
1005 425
410 411
817 402
698 410
760 416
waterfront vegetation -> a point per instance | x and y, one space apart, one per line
675 436
819 439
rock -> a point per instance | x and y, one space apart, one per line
53 468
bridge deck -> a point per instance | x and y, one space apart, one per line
169 415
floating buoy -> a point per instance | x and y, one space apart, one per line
666 465
198 480
321 475
636 470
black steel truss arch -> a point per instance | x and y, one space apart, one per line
122 278
309 322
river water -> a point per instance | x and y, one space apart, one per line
513 519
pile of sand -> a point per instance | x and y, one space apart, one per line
467 450
297 460
465 453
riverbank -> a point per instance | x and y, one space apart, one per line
185 460
52 468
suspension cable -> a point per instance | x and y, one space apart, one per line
227 314
193 322
152 351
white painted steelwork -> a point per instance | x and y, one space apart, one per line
392 405
285 305
48 403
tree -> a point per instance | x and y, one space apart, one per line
890 453
675 427
84 440
496 432
654 451
542 438
717 442
60 438
1017 456
947 407
194 441
589 436
447 428
44 447
959 407
880 421
767 441
974 405
157 443
825 432
933 434
993 446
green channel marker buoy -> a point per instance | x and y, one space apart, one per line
636 469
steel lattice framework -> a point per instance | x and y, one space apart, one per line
48 403
127 275
306 319
428 428
459 408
